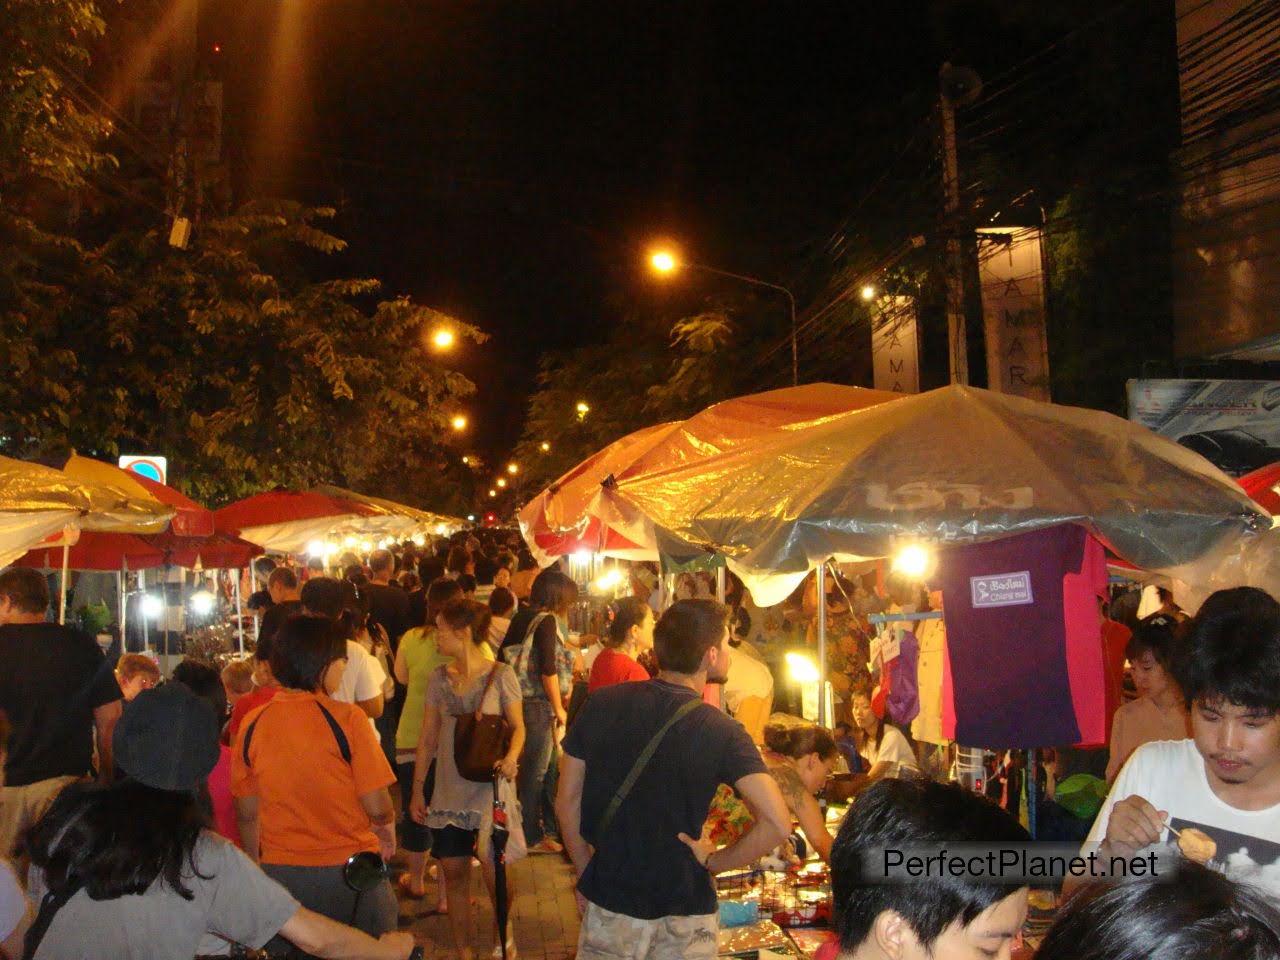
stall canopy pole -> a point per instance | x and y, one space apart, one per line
720 584
142 606
239 612
62 592
124 600
823 719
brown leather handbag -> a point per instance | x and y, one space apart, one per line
480 740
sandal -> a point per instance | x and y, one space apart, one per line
405 886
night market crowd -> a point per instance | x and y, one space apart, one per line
397 704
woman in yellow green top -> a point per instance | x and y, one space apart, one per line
416 659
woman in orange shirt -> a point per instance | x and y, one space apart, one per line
310 780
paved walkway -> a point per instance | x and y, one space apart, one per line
544 918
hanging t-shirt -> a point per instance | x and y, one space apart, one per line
904 701
1007 639
927 726
1082 621
1171 776
1115 637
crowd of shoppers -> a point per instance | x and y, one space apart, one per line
223 805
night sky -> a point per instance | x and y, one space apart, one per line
510 162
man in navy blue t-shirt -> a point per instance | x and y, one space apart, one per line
645 876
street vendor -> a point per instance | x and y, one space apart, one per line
884 749
800 756
1216 795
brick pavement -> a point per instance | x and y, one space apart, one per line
544 917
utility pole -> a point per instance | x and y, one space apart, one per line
957 85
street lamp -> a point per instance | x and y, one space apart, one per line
466 461
666 262
513 468
493 493
583 409
544 447
443 338
868 292
459 422
501 481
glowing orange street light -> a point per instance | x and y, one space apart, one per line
493 493
501 481
544 447
466 461
583 409
868 292
663 261
513 468
443 338
459 422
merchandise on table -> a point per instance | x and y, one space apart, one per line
763 935
809 940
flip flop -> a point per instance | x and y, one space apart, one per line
405 886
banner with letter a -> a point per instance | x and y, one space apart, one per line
895 355
1013 310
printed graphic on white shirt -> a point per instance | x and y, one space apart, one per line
1241 857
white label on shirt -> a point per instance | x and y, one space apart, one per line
1001 590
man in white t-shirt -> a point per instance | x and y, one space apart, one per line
363 678
1220 790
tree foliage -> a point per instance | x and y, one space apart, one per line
242 358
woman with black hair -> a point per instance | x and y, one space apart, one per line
1159 713
1194 914
537 648
884 749
310 780
130 870
630 633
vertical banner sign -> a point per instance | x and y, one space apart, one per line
895 355
1012 275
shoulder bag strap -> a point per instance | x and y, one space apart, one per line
344 745
49 908
642 761
493 672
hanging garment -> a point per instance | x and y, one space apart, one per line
927 726
1007 613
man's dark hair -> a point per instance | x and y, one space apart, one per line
430 568
501 602
381 561
1231 651
1156 634
26 589
325 596
467 582
441 591
316 564
302 650
891 815
284 578
505 560
552 591
205 682
263 566
485 568
457 560
1197 912
685 633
